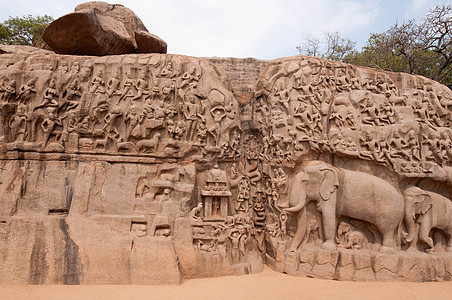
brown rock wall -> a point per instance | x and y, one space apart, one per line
145 169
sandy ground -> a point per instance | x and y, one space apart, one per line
266 285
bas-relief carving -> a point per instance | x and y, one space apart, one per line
158 157
354 143
158 106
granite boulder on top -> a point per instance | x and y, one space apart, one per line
98 28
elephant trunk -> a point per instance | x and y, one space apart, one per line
297 198
409 221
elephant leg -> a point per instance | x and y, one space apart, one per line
424 231
449 241
301 230
329 228
388 241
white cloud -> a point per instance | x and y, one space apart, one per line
239 28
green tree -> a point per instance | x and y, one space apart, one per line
26 30
423 48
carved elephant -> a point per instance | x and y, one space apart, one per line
350 239
339 192
430 210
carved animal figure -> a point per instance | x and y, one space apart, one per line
252 171
126 147
349 239
338 192
313 230
430 210
149 145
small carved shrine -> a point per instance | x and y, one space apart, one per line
216 195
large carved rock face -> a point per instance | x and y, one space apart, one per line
140 122
146 169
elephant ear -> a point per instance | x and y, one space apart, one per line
329 183
426 203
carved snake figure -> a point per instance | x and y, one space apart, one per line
259 219
252 172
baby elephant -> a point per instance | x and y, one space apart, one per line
349 239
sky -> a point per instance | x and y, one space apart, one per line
264 29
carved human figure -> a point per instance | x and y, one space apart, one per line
141 86
73 90
97 84
179 130
413 144
387 113
242 245
398 145
373 112
9 94
48 125
433 146
234 237
113 85
420 110
373 147
385 153
192 113
433 116
218 113
189 79
167 71
166 91
242 204
128 85
216 207
18 124
305 122
133 120
283 221
336 117
51 96
195 213
350 119
62 75
26 91
110 120
447 145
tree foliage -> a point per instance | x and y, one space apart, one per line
423 48
333 46
26 30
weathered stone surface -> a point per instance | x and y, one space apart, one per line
242 74
149 43
100 28
117 181
86 32
118 12
319 174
